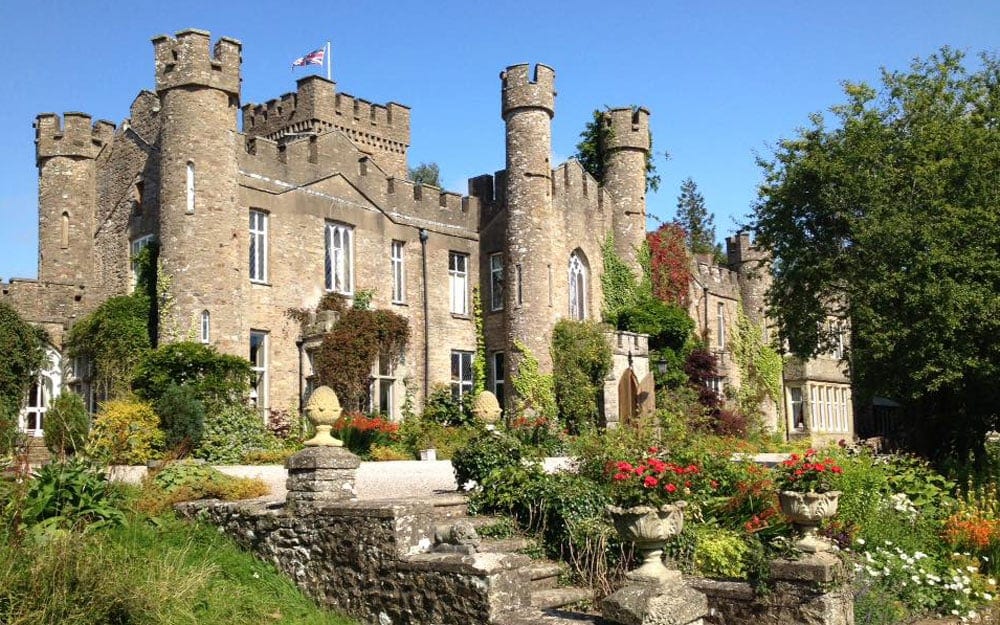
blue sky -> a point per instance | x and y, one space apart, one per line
724 80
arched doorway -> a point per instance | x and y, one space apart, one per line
628 397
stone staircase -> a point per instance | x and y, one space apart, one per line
549 600
38 453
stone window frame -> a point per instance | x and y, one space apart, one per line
134 247
382 385
796 408
496 281
461 372
259 361
338 258
578 282
258 245
498 375
206 327
458 283
720 325
190 188
397 260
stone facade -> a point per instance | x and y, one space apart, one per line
309 196
816 397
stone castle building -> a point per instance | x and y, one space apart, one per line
309 195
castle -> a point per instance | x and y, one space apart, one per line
312 197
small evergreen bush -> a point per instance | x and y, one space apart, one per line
66 425
182 417
485 453
231 433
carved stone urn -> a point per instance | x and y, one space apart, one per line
650 528
806 511
323 409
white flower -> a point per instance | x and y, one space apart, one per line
860 541
987 596
991 582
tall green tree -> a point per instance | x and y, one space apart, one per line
22 355
697 221
425 173
891 217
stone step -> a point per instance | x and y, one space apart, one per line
544 574
504 545
38 453
480 521
451 506
538 617
559 597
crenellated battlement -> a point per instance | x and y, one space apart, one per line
523 88
316 107
186 60
73 135
629 128
574 186
301 162
712 275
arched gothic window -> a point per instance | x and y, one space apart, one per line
577 287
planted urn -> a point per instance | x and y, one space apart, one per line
807 497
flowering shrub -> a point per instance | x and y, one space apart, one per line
923 583
653 481
806 473
360 433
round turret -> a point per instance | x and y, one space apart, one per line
202 231
625 179
528 104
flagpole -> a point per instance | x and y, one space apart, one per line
329 62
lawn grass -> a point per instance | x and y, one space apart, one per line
151 571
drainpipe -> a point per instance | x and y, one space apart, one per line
427 319
298 344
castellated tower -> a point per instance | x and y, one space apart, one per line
67 194
203 241
528 104
625 179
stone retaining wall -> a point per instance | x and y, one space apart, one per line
371 560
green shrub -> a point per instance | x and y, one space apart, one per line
443 408
581 358
70 495
416 434
182 417
719 552
126 431
66 425
23 356
485 453
231 432
11 435
216 379
669 326
186 480
114 338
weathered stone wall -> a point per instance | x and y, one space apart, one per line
810 592
370 560
48 304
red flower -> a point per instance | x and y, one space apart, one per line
620 477
650 482
670 488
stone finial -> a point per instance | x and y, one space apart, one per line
486 407
323 409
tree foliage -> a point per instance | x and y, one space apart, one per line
581 358
22 349
215 379
114 339
425 173
890 217
350 349
669 264
620 287
66 425
698 222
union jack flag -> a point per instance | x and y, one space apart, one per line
313 58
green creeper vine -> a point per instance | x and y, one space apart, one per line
534 389
479 359
759 364
620 286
